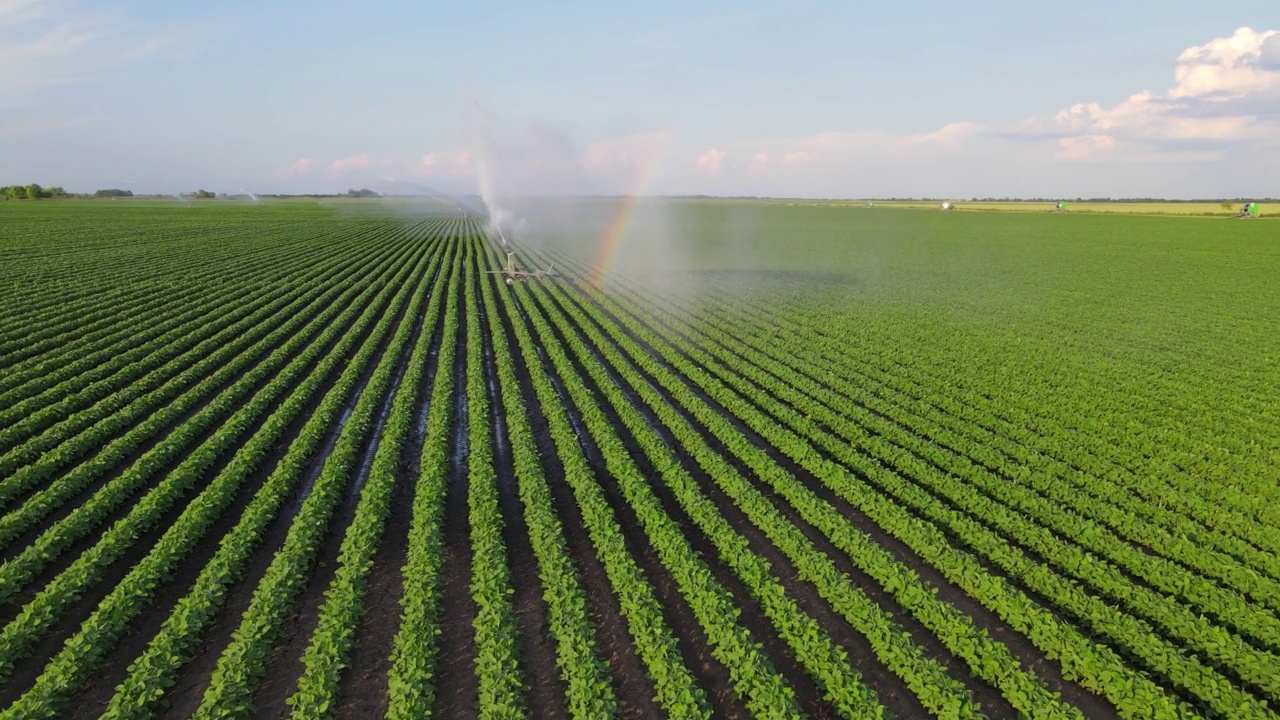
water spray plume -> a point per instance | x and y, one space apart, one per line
520 167
483 131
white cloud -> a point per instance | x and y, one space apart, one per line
1269 56
1231 67
1145 116
1226 91
708 163
759 164
949 137
1085 147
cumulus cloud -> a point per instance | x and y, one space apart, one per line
708 163
759 164
1269 57
1085 147
1231 67
1225 91
947 137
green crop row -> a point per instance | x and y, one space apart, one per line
1232 528
586 675
852 407
171 371
326 655
755 680
826 662
410 689
1026 413
153 461
155 671
101 630
677 691
244 661
58 379
986 658
111 322
201 268
497 652
1187 671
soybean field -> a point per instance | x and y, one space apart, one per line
309 460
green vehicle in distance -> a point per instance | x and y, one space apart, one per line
1250 210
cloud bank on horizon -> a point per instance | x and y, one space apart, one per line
1212 130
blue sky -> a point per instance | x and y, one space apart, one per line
1174 99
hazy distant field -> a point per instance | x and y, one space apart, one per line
776 459
1154 208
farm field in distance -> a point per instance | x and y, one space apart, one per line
784 460
1201 209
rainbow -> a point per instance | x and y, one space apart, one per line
607 249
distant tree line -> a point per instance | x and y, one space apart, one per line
362 193
30 192
1199 201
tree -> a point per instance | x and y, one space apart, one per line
28 192
1228 205
113 192
204 194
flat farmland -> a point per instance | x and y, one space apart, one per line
730 459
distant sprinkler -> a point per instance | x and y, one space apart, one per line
1250 210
